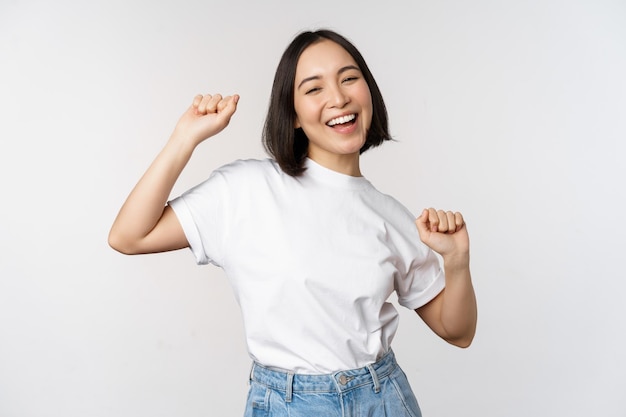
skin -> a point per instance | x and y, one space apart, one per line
145 224
328 85
452 315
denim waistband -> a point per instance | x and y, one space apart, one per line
336 382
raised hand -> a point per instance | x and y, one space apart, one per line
452 314
145 223
207 116
444 232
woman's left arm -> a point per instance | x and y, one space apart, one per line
453 313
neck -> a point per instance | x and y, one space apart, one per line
344 164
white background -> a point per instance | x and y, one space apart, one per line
513 112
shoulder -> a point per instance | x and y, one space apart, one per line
250 177
241 174
249 168
391 205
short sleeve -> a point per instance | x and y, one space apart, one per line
203 215
423 282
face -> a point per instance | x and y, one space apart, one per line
333 106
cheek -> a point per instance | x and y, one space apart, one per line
367 112
305 114
365 98
370 113
298 121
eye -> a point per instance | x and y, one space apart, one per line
313 90
350 78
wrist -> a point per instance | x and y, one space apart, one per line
182 143
456 262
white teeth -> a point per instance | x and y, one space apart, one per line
341 120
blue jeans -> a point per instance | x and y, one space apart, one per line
377 390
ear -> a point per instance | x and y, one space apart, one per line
296 123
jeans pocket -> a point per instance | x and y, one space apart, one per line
405 393
257 404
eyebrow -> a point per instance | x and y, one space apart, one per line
341 71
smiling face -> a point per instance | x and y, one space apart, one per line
333 106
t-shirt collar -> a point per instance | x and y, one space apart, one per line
328 176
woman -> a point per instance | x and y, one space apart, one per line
312 250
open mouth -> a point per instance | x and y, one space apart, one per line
348 119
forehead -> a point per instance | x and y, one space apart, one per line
321 57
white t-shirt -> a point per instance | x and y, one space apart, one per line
312 260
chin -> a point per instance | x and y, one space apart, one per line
355 148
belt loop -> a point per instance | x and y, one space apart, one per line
375 378
289 393
251 376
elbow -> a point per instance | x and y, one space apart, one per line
462 343
463 334
116 245
119 244
462 340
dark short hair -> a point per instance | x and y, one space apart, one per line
288 145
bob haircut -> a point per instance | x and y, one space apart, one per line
288 145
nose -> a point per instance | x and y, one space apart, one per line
338 98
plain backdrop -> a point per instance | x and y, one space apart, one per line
513 112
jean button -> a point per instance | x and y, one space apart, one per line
343 380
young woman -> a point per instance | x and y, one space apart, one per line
312 249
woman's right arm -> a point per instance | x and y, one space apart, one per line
145 224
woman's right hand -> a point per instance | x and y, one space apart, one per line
145 223
207 116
